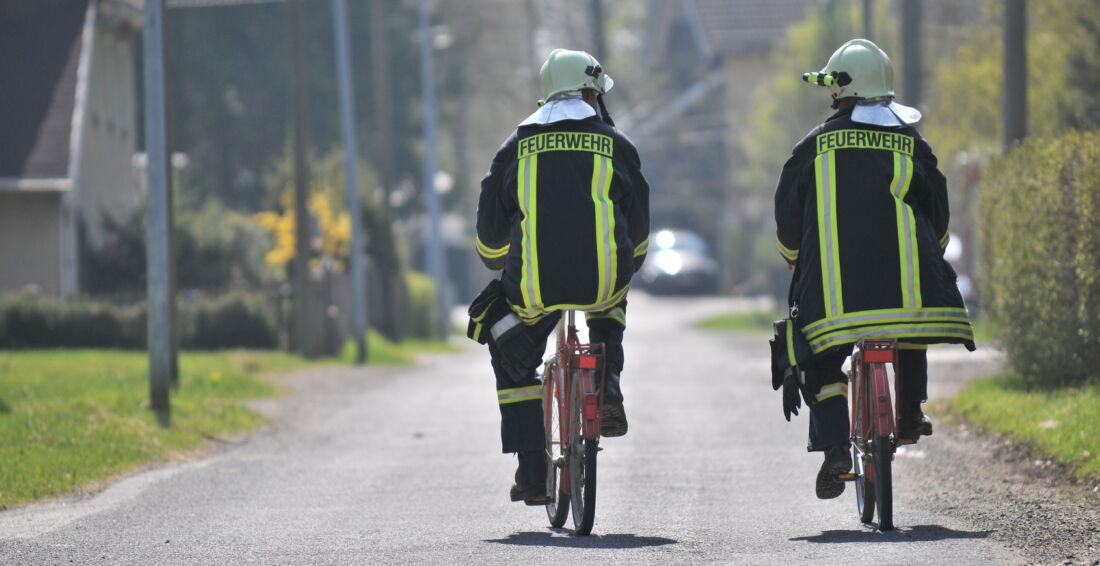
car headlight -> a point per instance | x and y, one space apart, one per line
669 262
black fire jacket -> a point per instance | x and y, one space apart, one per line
862 214
564 210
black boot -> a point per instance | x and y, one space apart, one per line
914 424
530 486
838 460
612 416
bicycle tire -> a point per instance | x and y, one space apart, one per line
556 470
865 486
884 497
584 527
581 461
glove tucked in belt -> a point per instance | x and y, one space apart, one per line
789 349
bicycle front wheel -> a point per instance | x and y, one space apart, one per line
581 459
884 496
556 470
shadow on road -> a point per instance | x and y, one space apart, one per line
902 534
593 541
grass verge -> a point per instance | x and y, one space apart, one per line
74 418
759 322
1060 424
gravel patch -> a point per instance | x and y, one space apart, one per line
982 479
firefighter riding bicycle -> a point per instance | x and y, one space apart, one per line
862 219
564 212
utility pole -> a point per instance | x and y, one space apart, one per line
301 335
393 309
351 154
1015 72
599 35
868 18
161 326
912 16
437 263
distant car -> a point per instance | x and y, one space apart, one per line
679 262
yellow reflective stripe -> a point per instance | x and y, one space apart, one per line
929 330
477 332
909 259
528 202
606 248
825 177
908 346
946 239
529 313
790 344
488 252
882 316
618 315
519 394
834 390
641 248
787 253
481 316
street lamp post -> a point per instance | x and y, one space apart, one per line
159 300
437 263
351 151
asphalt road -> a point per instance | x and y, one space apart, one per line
403 466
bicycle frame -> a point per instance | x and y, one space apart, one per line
573 389
573 355
871 390
875 425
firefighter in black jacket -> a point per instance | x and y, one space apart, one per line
564 211
861 211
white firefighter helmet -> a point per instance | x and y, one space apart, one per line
859 69
566 70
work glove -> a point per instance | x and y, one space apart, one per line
792 398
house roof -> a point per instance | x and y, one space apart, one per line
40 42
741 27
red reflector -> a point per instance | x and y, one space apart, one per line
590 410
876 356
586 362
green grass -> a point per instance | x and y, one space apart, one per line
756 322
76 418
1060 424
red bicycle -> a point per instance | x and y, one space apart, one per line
874 428
571 400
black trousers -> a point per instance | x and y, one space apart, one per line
829 421
521 427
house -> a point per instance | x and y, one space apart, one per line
68 102
721 52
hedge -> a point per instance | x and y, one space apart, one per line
422 310
1040 238
234 320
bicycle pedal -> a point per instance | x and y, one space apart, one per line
846 477
906 441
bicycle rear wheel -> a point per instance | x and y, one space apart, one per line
865 485
581 459
884 496
557 471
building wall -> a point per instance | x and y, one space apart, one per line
105 181
30 241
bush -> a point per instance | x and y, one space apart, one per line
216 250
237 320
1041 257
30 321
422 311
